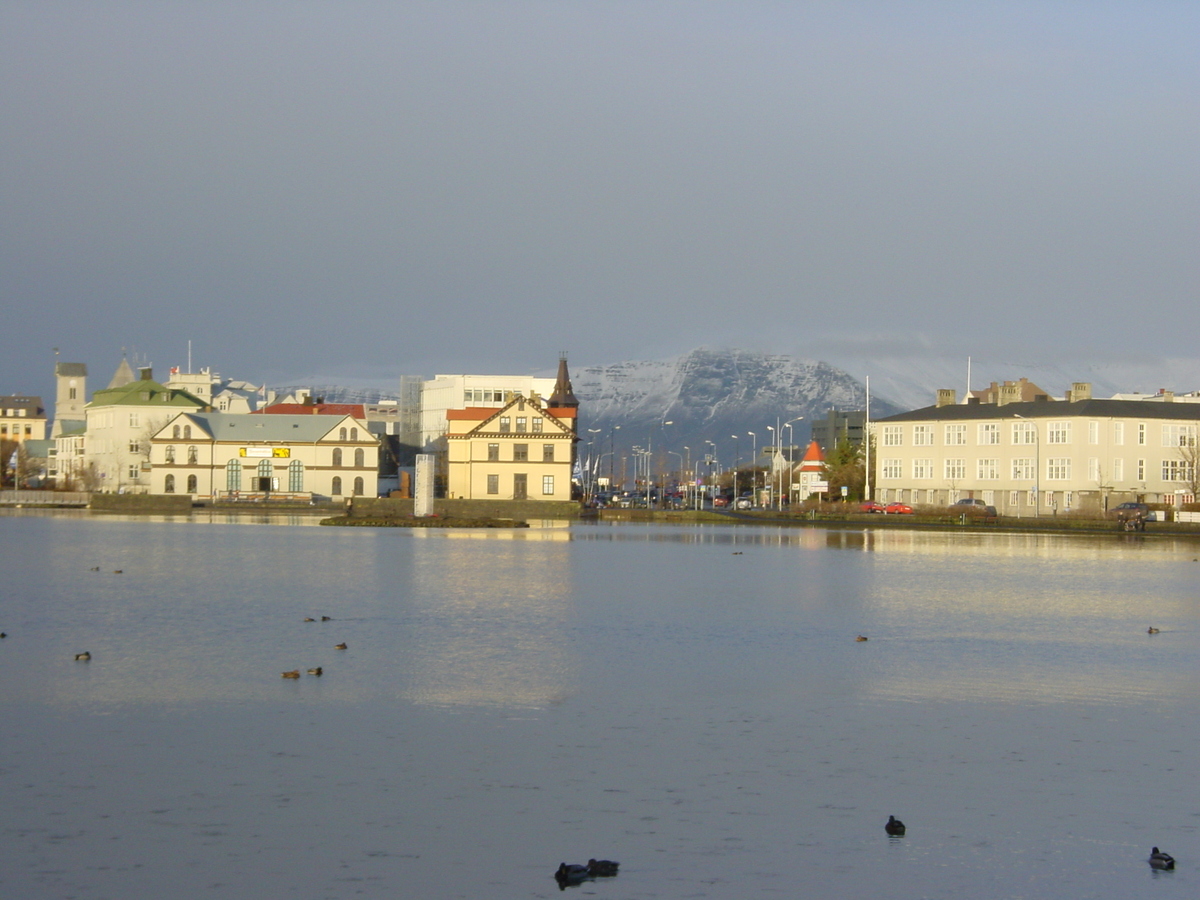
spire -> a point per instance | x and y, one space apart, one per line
123 376
563 396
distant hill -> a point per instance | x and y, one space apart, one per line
710 395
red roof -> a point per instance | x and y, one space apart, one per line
314 409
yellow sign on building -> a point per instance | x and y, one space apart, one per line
266 452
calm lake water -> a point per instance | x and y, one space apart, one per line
690 701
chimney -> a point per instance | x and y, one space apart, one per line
1168 396
1080 390
946 397
146 373
1009 393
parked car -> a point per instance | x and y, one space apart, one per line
1133 516
871 506
898 508
974 507
744 502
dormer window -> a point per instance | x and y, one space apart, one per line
522 424
505 424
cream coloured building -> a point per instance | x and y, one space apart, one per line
523 450
1039 456
241 456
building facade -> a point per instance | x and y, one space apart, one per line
1042 456
456 392
244 456
22 419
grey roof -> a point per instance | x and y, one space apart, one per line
269 429
1043 409
32 405
71 370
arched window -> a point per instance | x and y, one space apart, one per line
337 486
295 476
170 454
175 432
358 486
264 468
233 475
337 456
354 434
342 434
187 432
169 485
359 457
193 455
192 483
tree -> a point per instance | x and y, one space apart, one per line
844 467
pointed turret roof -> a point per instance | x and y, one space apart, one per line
123 375
563 396
813 457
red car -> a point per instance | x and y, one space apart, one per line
871 506
898 508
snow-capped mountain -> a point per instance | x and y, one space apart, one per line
710 395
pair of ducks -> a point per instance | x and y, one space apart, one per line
568 874
323 619
295 673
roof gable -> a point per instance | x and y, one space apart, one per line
487 416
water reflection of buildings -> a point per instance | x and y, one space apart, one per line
492 617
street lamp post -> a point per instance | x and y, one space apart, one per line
791 439
753 467
712 462
737 461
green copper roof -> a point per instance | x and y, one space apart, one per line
145 393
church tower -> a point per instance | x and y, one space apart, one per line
70 397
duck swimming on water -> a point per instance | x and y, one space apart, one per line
1160 860
1151 630
602 868
570 874
894 827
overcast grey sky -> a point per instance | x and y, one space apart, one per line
370 189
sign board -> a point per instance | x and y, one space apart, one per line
265 452
819 487
845 490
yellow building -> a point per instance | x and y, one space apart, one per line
524 450
22 419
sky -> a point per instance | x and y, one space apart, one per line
360 190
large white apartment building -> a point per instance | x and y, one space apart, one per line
447 392
1040 456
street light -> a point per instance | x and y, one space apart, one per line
712 462
791 442
753 468
737 461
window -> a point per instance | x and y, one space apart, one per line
891 468
1058 432
989 433
71 395
547 485
922 435
233 475
522 424
187 432
1176 470
1179 435
295 476
1141 470
520 452
135 447
1031 498
505 424
1014 498
1058 468
264 469
1023 469
893 436
358 486
1024 433
360 458
922 468
193 455
1118 466
956 435
133 420
493 484
1093 469
537 424
342 434
1142 433
169 485
987 469
547 453
192 484
170 455
1119 433
337 456
1068 499
1093 432
335 487
354 434
175 432
954 469
493 454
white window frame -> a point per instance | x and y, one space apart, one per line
956 435
954 469
987 469
922 468
1058 432
989 433
1024 468
893 436
1058 468
922 435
